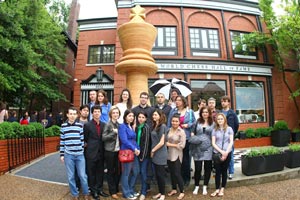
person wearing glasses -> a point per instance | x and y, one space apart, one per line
143 106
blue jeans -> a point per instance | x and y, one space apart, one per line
78 162
129 174
231 163
143 171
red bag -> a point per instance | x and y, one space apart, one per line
126 156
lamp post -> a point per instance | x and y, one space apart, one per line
99 75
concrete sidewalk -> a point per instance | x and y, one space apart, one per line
45 178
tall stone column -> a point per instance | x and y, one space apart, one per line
137 38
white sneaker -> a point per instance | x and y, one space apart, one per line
142 197
204 192
230 176
195 192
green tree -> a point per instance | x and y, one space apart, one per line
31 48
283 37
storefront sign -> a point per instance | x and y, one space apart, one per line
215 68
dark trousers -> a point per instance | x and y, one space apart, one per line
113 171
221 170
95 171
176 178
198 170
186 163
160 173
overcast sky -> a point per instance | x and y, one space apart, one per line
106 8
96 8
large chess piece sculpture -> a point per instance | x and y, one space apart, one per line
137 38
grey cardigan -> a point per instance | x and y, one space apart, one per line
200 144
110 137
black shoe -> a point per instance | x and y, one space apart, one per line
95 196
103 194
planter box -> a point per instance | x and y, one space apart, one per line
252 142
262 164
51 144
292 159
295 136
280 138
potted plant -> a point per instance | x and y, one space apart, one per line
293 156
280 135
264 160
295 135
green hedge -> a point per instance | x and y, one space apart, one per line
16 130
259 132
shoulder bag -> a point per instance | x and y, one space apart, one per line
126 155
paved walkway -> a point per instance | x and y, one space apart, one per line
46 179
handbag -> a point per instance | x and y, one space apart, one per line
126 155
216 157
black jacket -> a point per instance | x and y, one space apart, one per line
145 143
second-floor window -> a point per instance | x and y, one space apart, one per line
204 42
101 54
166 41
241 51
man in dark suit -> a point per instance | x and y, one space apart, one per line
94 152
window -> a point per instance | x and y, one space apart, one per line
242 52
206 89
250 101
166 41
101 54
204 42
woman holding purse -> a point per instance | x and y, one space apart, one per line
222 141
127 138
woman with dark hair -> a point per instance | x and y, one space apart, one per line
222 141
127 138
201 147
187 118
159 153
102 100
125 102
111 141
143 139
175 143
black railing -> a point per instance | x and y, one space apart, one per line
23 150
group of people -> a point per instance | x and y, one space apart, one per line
166 134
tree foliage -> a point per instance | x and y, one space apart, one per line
283 36
31 47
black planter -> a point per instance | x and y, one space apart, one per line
295 136
280 138
242 135
292 159
262 164
253 165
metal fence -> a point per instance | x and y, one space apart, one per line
24 150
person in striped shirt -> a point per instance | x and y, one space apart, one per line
71 153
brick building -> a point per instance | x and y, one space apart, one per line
195 43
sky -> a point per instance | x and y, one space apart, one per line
106 8
96 8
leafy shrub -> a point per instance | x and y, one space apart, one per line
18 129
38 127
2 135
280 125
7 130
263 132
250 133
294 147
55 130
263 152
296 130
